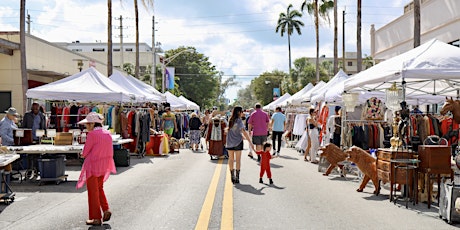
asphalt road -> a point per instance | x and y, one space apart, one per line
190 191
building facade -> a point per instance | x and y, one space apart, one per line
439 19
121 54
45 62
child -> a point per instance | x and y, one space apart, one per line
265 162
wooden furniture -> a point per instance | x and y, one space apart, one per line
434 160
386 171
22 137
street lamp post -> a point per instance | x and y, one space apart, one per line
167 61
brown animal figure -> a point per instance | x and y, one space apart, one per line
333 155
452 106
367 164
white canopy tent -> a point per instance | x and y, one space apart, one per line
296 95
307 96
430 69
319 95
190 104
272 105
88 85
135 86
175 102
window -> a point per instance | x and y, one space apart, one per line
350 63
129 49
116 50
98 49
5 101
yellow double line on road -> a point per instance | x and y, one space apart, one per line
227 204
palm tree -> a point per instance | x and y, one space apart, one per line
336 53
147 4
318 8
22 47
358 39
287 22
109 38
416 23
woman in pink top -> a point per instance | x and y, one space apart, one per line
98 154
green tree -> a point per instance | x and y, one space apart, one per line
245 97
263 85
222 87
304 72
198 79
287 22
318 8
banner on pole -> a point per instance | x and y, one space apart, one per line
276 93
170 71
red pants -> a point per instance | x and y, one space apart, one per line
96 197
265 169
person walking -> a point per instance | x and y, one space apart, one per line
234 143
277 126
96 169
258 124
265 162
7 125
34 120
195 132
169 125
313 134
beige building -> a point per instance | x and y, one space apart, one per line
439 19
46 62
351 63
121 54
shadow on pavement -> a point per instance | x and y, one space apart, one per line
288 157
103 226
276 166
250 189
274 186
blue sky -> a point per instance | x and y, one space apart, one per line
238 36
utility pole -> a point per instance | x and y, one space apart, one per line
154 66
28 23
121 42
343 41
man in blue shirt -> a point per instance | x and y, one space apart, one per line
34 120
277 125
7 125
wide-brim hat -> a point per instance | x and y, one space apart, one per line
92 117
12 111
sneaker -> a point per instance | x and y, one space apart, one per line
278 153
271 181
261 181
274 153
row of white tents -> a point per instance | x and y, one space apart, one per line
426 74
92 86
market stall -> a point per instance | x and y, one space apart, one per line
86 86
190 104
175 102
136 87
295 97
272 105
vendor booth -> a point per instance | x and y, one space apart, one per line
190 104
136 87
277 103
86 86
